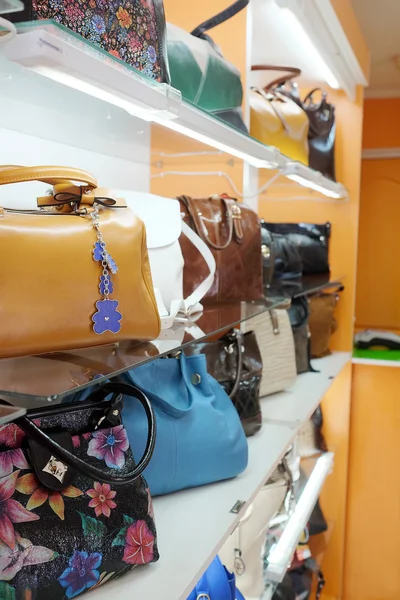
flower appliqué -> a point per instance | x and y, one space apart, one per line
81 573
102 499
29 484
107 317
139 544
110 445
11 511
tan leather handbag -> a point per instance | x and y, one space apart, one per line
76 271
275 340
232 231
322 322
276 120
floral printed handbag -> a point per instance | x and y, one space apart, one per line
131 30
74 509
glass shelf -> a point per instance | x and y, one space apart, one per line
304 286
58 55
50 377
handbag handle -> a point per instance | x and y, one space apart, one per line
39 436
220 18
201 229
237 336
47 174
292 72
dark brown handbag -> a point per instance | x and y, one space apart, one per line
235 362
233 233
322 322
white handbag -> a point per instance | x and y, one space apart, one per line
164 226
243 552
275 340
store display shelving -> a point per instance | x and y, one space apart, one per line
54 53
193 524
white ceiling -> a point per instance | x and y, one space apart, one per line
380 23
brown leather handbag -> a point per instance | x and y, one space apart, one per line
233 233
76 271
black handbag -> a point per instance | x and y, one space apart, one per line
299 314
285 254
268 256
74 509
235 362
312 242
321 134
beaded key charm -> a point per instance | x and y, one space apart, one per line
107 317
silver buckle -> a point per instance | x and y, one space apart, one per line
203 596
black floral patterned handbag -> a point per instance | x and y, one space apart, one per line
74 509
131 30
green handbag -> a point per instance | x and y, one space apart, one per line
199 70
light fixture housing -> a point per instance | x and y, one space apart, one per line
314 180
316 24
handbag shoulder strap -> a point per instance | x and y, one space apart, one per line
237 341
221 17
198 294
39 436
47 174
291 73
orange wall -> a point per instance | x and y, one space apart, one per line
349 22
378 271
373 541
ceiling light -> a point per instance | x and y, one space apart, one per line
315 26
313 179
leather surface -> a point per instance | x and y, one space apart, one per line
276 120
277 350
47 174
287 263
239 263
196 422
49 284
299 316
322 323
312 242
322 136
268 255
222 363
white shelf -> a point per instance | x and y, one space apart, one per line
193 525
55 54
375 362
298 403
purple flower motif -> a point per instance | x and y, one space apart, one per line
112 264
110 445
81 573
107 317
10 459
97 252
151 53
98 24
102 286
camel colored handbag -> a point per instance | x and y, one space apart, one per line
232 231
322 322
275 340
276 119
76 271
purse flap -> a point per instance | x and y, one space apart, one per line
160 215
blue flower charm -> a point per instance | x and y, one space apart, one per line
97 252
102 286
107 317
111 264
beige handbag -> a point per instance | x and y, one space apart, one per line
275 340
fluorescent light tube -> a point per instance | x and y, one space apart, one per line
281 554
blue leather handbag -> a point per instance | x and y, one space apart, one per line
217 583
199 435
